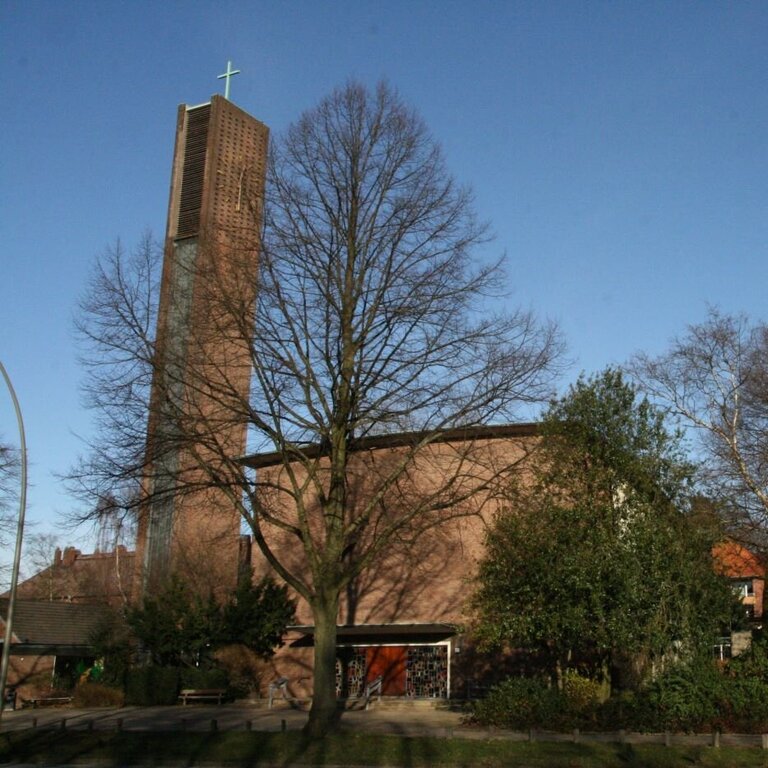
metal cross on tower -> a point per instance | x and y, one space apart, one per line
227 76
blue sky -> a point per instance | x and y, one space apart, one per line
618 149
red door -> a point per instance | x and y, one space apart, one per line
389 661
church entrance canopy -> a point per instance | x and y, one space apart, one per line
379 634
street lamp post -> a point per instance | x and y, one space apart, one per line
19 537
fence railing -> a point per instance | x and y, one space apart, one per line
281 684
372 688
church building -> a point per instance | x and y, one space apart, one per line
401 619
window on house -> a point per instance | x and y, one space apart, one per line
744 588
722 648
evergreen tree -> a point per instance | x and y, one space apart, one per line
595 562
179 628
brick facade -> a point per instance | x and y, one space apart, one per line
205 315
413 596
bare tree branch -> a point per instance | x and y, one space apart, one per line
715 378
10 467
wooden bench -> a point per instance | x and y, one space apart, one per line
202 694
52 701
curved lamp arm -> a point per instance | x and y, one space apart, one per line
19 537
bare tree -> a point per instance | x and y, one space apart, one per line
9 493
715 378
369 321
116 323
39 559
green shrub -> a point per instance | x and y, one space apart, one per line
152 685
753 662
697 696
520 702
688 697
626 710
581 694
92 694
113 648
743 705
161 685
694 697
245 669
194 677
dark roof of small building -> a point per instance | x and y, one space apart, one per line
400 439
48 627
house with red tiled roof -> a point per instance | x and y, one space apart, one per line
746 572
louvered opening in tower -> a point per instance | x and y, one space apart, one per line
193 173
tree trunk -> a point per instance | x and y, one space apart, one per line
605 679
324 715
562 665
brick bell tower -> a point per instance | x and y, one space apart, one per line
202 375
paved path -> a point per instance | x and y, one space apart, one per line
421 722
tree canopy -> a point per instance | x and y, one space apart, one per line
177 627
595 560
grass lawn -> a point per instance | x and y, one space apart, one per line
254 749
